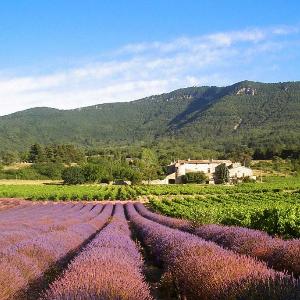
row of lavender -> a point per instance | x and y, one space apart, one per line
110 267
277 253
203 270
23 224
48 234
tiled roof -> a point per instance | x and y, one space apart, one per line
201 161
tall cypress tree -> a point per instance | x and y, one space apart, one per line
36 154
222 173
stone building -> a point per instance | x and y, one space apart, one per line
181 167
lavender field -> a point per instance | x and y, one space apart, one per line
112 250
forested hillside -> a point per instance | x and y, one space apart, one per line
247 113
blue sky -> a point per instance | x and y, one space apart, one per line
71 53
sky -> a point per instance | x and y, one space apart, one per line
72 53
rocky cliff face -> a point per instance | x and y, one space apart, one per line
246 91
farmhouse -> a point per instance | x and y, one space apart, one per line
181 167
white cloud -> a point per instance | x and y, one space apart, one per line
143 69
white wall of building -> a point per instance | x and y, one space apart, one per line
207 168
183 167
240 172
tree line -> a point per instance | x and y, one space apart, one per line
134 163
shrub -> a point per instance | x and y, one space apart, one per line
73 175
24 174
50 170
248 180
198 177
91 172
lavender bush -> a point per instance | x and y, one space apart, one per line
27 260
203 270
168 221
277 253
32 223
110 267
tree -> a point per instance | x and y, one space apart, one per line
9 157
73 175
149 165
222 173
50 153
106 177
136 177
91 172
245 158
242 154
55 153
36 154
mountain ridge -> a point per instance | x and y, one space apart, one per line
246 112
135 100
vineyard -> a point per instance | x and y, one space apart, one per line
127 192
113 250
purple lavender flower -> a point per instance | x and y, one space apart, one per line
110 267
203 270
27 259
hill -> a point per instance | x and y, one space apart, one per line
246 113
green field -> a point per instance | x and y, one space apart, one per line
54 191
273 206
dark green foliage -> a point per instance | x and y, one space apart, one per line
49 170
267 220
103 170
39 171
55 154
24 174
219 118
149 165
63 153
36 154
198 177
241 154
73 175
91 172
221 173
